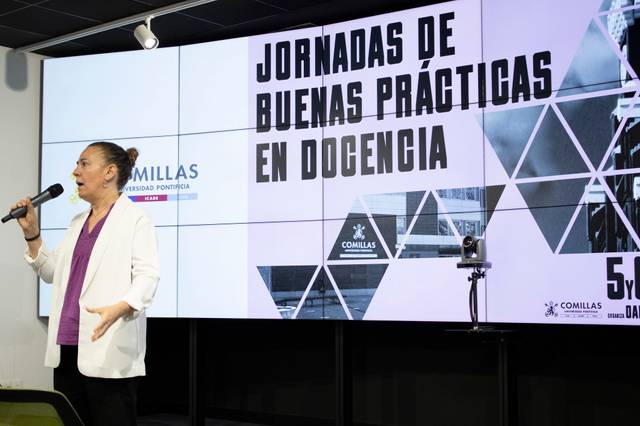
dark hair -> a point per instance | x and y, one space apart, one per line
124 160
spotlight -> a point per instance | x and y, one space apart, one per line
473 253
145 37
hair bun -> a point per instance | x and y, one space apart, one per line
132 153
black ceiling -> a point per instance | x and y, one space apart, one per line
24 22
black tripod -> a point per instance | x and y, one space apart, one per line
473 295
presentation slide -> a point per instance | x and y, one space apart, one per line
332 172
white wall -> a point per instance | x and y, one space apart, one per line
22 334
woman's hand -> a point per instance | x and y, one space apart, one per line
28 223
108 315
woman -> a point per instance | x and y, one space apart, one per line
104 276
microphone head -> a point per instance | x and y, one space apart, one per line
55 190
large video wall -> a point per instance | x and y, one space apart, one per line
331 172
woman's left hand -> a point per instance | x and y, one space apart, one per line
108 315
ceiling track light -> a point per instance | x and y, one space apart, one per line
161 11
145 37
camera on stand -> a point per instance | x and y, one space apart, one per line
473 254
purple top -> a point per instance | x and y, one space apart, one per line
70 315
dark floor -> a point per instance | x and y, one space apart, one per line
175 420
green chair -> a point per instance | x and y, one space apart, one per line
30 407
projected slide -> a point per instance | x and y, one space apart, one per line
332 172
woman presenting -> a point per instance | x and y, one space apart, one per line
104 275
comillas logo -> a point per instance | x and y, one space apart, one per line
147 181
359 232
359 235
581 305
359 244
164 173
574 309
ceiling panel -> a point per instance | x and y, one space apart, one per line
44 21
30 2
155 3
233 12
15 38
8 6
176 29
100 10
116 40
289 5
71 48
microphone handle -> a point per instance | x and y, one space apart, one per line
22 211
19 212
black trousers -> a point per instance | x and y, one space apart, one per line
99 402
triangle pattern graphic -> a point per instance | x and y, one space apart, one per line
553 221
630 33
321 301
622 187
621 157
623 153
493 194
591 122
358 284
387 225
286 284
552 152
429 223
466 207
552 203
357 207
594 67
386 209
606 4
578 239
357 240
554 193
471 198
607 233
508 133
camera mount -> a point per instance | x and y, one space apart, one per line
477 273
473 253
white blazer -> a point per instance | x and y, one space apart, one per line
123 266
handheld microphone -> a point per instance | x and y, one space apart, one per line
52 192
